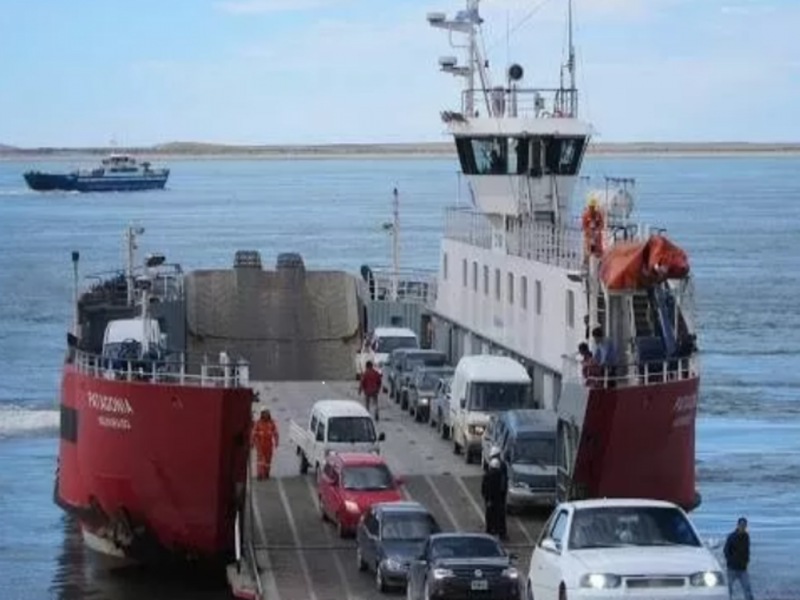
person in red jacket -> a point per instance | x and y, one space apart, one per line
370 386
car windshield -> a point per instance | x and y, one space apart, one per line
367 477
465 546
414 526
608 527
351 430
429 378
491 397
534 450
385 345
424 360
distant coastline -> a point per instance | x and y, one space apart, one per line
192 150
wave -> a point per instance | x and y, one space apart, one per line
21 421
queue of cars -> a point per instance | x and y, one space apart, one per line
598 549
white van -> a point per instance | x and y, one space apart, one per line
381 343
484 384
334 426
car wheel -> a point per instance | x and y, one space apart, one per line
380 584
362 566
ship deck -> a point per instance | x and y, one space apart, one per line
300 557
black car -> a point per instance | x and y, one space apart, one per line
463 565
389 537
422 388
409 361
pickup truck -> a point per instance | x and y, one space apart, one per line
380 344
334 426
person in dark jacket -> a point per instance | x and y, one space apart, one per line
737 556
493 490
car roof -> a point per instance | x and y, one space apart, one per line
405 506
456 535
403 332
341 408
358 458
436 370
492 368
621 503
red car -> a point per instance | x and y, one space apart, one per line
350 483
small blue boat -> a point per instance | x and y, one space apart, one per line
117 173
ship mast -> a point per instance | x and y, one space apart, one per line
573 96
130 242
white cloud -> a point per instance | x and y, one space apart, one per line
249 7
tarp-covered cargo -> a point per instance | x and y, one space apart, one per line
636 265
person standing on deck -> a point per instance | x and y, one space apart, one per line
605 355
737 557
593 225
264 439
370 385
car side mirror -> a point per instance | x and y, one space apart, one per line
399 480
381 436
550 545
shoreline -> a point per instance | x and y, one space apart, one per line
191 151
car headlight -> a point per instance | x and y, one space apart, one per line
600 581
511 573
707 579
442 573
424 401
476 429
351 506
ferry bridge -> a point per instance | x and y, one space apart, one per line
297 556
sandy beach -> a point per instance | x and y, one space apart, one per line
190 150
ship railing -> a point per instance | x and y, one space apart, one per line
526 103
559 245
224 372
635 374
413 285
110 287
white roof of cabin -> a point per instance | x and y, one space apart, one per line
491 368
385 332
340 408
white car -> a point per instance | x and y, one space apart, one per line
626 548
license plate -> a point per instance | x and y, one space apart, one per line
480 584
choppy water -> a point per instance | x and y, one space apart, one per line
739 218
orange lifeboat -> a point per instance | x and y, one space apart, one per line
636 265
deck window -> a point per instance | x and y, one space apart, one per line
497 284
510 291
570 309
538 298
474 276
524 292
464 272
485 280
444 265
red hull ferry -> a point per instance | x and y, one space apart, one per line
153 446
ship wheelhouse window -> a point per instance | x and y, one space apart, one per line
444 265
523 155
464 272
497 284
474 276
570 309
510 288
538 298
524 292
485 280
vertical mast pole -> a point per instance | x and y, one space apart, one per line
131 245
395 243
573 95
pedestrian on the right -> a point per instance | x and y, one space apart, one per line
737 557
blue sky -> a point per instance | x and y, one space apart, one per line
81 72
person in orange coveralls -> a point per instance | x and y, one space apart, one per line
264 439
593 224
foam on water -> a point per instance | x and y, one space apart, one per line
20 421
